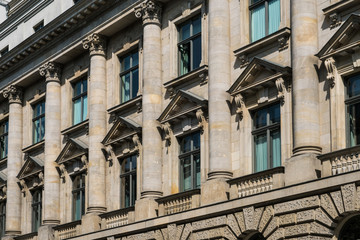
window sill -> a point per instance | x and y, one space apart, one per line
75 128
281 36
34 147
333 12
27 236
258 174
200 74
67 225
132 103
118 211
3 160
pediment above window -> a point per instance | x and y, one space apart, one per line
335 11
31 174
3 188
345 41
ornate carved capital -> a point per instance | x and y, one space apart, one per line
51 71
280 85
150 11
330 68
13 93
240 104
96 43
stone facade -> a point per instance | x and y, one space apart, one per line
137 119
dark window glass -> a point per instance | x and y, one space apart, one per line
267 139
4 130
80 101
353 110
36 209
38 121
78 194
257 236
2 218
351 229
129 76
39 26
189 45
128 181
189 157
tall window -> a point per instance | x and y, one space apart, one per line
129 76
128 181
36 209
190 177
265 18
267 139
4 130
2 218
39 122
353 110
80 101
189 45
78 194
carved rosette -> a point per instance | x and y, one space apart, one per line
150 11
330 68
239 102
96 44
51 71
13 93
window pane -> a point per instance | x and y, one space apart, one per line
274 15
77 111
133 162
77 89
184 52
135 59
276 148
127 190
42 129
125 83
274 112
354 124
197 170
260 153
77 206
258 23
196 141
84 116
36 131
84 85
196 52
187 173
133 190
196 25
135 83
260 118
354 86
185 31
125 64
186 144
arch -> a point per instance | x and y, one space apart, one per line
350 229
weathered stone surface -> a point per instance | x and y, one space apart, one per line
265 218
241 221
305 216
296 230
209 223
233 224
337 198
312 238
323 217
252 217
278 234
328 206
215 233
257 216
179 229
349 197
158 235
320 229
172 230
287 219
299 204
165 233
274 223
358 198
186 232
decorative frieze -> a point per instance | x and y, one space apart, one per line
51 71
149 11
13 93
96 44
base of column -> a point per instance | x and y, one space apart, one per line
96 210
51 222
46 232
90 222
214 191
309 165
151 194
146 208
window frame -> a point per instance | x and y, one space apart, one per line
349 101
81 190
191 153
81 96
132 175
130 70
267 129
3 135
36 213
190 40
38 118
2 218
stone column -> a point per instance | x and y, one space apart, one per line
216 188
306 124
97 126
151 186
14 162
51 71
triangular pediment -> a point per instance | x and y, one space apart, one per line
344 40
122 129
182 103
73 149
259 73
32 166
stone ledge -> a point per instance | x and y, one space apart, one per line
126 106
75 128
34 147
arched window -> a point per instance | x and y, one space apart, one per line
257 236
351 229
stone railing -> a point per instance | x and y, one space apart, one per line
179 202
29 236
117 218
67 230
340 161
257 183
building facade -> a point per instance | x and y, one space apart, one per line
179 119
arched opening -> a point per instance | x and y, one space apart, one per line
351 229
257 236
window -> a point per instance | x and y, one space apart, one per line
38 26
2 218
265 18
267 138
189 46
38 122
353 110
78 194
128 181
129 76
189 157
80 101
4 129
4 51
36 209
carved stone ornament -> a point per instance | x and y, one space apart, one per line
244 60
201 118
137 142
166 128
51 71
204 78
23 186
150 11
335 20
84 161
62 169
280 85
13 93
330 68
109 152
240 104
283 42
41 178
96 43
3 192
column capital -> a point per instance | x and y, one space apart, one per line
51 71
13 93
150 11
96 43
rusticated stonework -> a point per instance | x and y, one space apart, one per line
149 11
96 44
51 71
13 93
